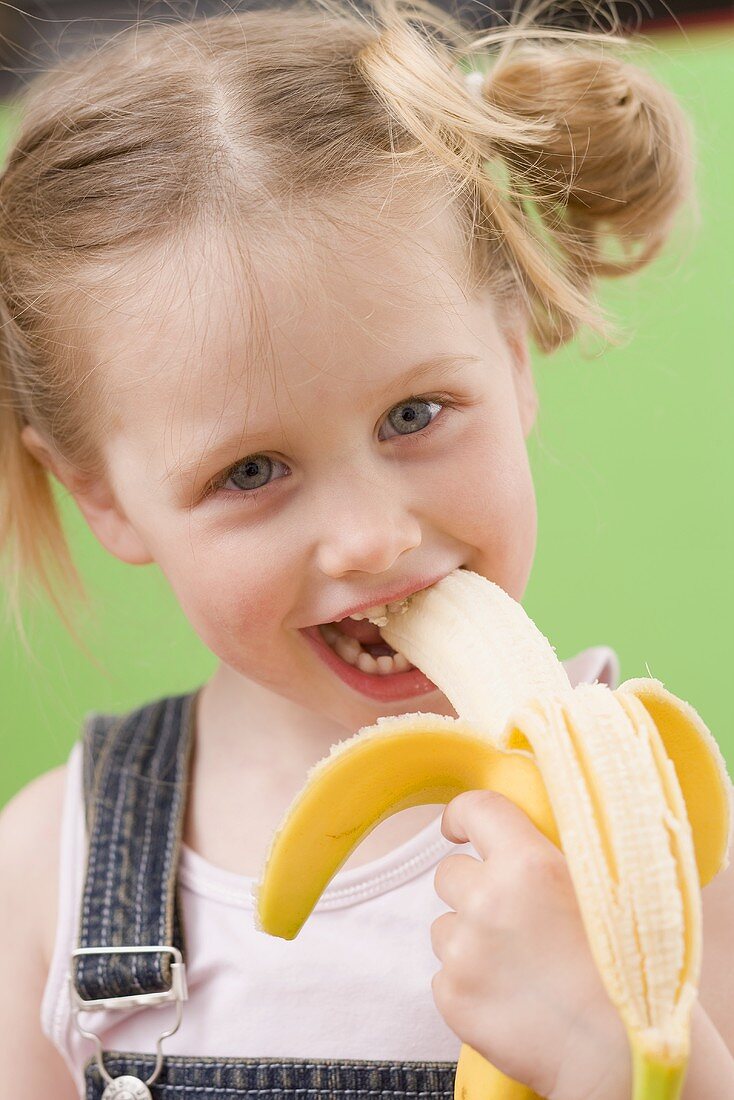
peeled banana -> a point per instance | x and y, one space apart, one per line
629 783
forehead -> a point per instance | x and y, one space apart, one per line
214 328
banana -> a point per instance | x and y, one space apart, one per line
629 784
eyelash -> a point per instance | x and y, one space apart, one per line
216 487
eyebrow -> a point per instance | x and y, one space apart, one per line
438 365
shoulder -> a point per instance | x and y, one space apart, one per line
30 827
597 662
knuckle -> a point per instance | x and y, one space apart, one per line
455 954
536 871
529 860
485 893
544 865
439 875
480 903
439 988
452 944
446 872
449 999
445 989
439 933
486 798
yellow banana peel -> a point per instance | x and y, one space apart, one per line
629 784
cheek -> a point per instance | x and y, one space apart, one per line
515 552
236 602
489 501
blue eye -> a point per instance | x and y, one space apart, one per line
251 475
405 415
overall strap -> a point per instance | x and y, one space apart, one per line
135 785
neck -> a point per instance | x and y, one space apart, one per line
244 724
252 751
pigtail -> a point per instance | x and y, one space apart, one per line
613 170
33 544
565 150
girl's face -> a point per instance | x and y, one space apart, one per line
277 485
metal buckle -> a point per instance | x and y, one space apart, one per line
177 992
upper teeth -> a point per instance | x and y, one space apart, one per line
378 614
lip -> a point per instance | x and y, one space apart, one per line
378 601
386 689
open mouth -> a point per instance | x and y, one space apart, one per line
371 668
356 652
360 644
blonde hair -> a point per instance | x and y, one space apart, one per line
569 165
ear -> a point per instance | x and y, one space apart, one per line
522 376
96 501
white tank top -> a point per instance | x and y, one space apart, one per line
354 983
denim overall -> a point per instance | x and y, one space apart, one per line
131 947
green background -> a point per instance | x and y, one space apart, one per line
633 461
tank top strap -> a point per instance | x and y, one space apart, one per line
135 780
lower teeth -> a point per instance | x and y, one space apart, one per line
352 652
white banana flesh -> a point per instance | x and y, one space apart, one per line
478 646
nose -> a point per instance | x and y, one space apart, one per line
364 528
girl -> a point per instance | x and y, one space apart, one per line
268 283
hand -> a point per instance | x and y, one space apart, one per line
518 982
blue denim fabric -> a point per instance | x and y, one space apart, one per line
279 1078
135 784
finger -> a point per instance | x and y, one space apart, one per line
442 930
488 821
455 876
